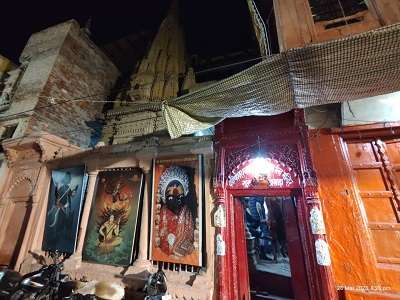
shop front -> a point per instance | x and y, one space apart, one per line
270 237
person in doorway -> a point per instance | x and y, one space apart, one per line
277 228
256 219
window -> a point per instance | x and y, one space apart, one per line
7 133
327 10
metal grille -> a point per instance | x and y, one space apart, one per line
326 10
176 267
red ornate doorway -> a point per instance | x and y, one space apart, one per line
260 277
266 156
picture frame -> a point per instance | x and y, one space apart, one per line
64 206
177 210
111 233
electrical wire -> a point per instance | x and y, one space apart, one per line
230 65
155 120
64 101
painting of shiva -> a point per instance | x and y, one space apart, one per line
67 190
177 210
111 230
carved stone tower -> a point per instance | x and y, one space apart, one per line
160 75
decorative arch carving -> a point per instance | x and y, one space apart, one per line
262 172
21 188
285 154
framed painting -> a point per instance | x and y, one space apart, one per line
67 190
176 231
111 230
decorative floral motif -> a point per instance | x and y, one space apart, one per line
285 153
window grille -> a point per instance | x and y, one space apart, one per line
326 10
176 267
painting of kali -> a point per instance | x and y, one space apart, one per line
110 233
176 217
67 190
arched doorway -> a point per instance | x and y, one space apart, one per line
264 192
267 157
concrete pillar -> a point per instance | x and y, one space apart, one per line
86 211
142 261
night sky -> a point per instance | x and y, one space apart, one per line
213 27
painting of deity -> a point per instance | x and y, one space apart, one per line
177 210
67 190
111 230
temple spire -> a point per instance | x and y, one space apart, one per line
157 77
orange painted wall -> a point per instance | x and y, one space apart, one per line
353 259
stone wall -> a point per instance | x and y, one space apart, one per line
62 67
138 154
25 181
81 74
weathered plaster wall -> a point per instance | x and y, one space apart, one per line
353 261
384 108
25 178
323 116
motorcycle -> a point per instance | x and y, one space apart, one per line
47 283
9 282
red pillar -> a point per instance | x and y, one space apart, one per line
324 272
326 287
222 272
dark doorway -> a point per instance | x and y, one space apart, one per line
273 246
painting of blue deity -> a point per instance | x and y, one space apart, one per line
67 191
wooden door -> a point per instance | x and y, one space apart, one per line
297 267
241 252
14 233
375 166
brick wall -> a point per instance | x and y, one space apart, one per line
80 69
64 64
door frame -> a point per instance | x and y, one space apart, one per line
284 139
238 244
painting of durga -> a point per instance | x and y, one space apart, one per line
177 210
111 230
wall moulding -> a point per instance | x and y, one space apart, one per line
41 148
